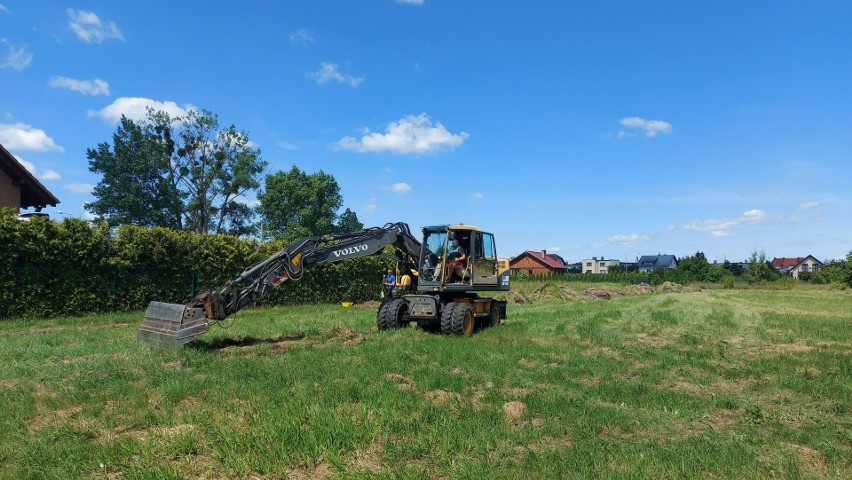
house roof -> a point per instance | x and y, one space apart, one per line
542 258
788 263
785 262
33 193
656 260
557 258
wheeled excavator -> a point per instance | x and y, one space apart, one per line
437 291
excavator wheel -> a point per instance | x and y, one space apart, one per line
447 318
494 316
392 314
463 320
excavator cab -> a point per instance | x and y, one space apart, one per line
459 257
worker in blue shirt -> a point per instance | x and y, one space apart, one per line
390 283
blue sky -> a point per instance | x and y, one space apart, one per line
614 129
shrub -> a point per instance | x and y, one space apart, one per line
50 268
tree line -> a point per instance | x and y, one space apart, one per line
189 173
757 268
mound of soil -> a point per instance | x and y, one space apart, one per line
641 288
593 293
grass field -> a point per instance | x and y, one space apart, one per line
714 383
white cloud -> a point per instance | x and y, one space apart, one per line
371 206
89 216
726 227
301 36
807 206
20 136
251 202
3 8
45 175
411 2
650 127
553 249
628 240
17 58
284 145
89 27
400 188
412 134
30 166
329 72
49 175
478 196
86 87
80 187
387 170
135 108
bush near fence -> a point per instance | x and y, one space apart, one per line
50 268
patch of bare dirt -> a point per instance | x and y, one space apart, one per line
685 385
476 400
174 430
516 392
590 381
188 404
440 397
527 362
514 413
719 420
810 457
321 471
45 330
369 459
603 352
348 336
549 444
652 340
403 382
370 303
56 417
797 347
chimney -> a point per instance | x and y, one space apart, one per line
544 253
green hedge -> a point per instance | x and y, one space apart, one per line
50 268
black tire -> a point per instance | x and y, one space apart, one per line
447 318
463 320
494 316
392 314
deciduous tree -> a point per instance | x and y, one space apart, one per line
177 172
296 204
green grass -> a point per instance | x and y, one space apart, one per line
718 383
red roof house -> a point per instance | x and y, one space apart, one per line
796 265
537 263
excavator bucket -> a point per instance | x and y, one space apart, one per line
170 324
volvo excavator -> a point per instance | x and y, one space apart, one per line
440 290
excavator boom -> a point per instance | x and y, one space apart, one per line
176 324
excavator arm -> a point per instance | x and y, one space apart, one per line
176 324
